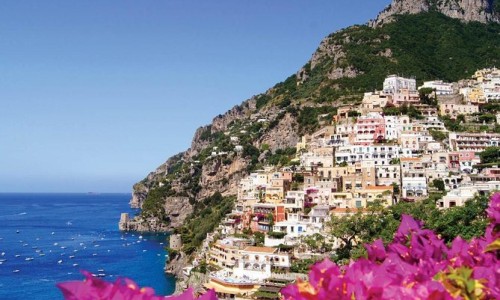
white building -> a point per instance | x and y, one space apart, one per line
381 154
319 156
457 197
393 127
294 200
441 88
414 187
257 263
293 228
388 174
393 84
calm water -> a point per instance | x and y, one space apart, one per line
66 233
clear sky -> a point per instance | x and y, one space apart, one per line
96 94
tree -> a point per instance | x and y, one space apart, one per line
259 238
426 96
439 184
438 135
395 161
490 155
395 188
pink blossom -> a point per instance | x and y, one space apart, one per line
92 288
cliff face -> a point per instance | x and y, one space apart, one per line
467 10
211 164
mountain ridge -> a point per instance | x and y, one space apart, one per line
482 11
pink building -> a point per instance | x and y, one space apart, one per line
370 128
406 96
463 161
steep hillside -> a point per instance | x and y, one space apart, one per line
428 45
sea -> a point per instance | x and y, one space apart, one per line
50 238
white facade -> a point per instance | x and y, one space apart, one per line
294 200
380 154
324 158
388 174
441 88
394 83
457 197
414 187
256 263
293 228
393 127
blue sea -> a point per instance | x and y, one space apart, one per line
50 238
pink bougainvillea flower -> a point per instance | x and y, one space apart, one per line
376 251
123 289
407 226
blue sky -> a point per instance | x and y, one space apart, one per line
96 94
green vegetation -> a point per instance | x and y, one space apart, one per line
172 254
317 243
281 157
259 238
411 111
206 215
466 221
427 45
453 125
490 155
308 117
153 205
262 100
302 265
439 184
276 234
265 295
438 135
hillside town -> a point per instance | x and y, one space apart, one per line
400 144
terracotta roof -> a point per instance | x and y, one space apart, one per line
260 249
339 210
381 187
410 159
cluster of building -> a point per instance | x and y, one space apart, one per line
342 167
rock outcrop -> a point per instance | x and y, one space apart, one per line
466 10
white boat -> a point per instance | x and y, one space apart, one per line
71 256
101 275
16 271
17 255
75 265
29 258
60 261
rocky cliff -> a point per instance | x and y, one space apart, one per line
483 11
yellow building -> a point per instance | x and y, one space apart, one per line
225 288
